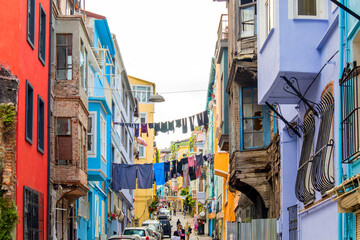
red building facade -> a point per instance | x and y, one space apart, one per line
24 51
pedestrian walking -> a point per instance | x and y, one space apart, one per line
180 232
188 230
178 222
174 212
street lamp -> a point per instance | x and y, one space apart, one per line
156 98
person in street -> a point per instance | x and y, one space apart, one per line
180 232
188 230
174 212
178 222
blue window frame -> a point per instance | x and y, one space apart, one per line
254 121
31 22
42 34
29 107
41 125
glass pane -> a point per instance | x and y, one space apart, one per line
143 97
257 110
307 7
248 140
63 126
248 125
247 13
242 2
247 96
61 56
255 95
148 96
90 123
258 140
141 88
61 39
248 21
258 126
248 112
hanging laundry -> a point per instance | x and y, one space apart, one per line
145 175
191 119
191 161
157 128
179 167
192 173
151 125
164 127
184 125
178 123
198 172
159 173
184 162
124 176
209 158
199 160
171 126
167 166
205 118
174 169
136 127
144 129
199 118
186 181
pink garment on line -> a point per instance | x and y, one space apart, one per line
198 172
191 161
186 180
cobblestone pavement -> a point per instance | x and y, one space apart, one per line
183 221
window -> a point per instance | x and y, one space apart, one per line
63 153
252 121
84 207
306 7
91 134
124 136
31 22
81 137
41 125
33 218
64 56
247 18
142 119
304 189
103 137
350 107
269 11
42 35
82 64
141 149
142 93
29 112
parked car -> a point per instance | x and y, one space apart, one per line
155 226
163 217
164 211
156 235
166 226
126 237
144 232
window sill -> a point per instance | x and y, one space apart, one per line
314 204
40 150
42 60
304 18
267 40
30 43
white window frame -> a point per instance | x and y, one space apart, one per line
92 134
149 89
243 6
321 10
91 84
144 155
103 137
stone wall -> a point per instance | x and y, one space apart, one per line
8 98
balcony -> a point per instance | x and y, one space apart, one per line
222 40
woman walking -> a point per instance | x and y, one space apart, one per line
188 230
180 232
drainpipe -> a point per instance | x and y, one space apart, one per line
48 222
73 8
341 67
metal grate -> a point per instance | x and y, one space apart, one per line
350 114
292 222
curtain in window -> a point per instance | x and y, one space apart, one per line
323 165
304 189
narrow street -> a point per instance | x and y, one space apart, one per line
183 219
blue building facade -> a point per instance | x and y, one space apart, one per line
298 72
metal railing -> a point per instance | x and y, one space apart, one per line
257 229
223 27
350 114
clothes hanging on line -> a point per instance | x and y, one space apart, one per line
179 167
164 127
145 175
192 173
178 123
199 118
198 171
184 162
191 161
199 159
136 127
157 128
124 176
191 119
159 173
174 169
205 118
186 181
144 129
184 125
171 126
151 125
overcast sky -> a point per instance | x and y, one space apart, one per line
170 43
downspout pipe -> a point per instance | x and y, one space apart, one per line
341 67
48 217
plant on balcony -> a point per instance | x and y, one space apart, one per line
153 205
112 216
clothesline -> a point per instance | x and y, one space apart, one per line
142 176
164 127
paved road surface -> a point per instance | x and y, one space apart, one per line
183 221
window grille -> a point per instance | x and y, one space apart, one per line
64 56
292 222
323 166
304 189
350 114
33 217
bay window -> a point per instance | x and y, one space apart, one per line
247 18
142 93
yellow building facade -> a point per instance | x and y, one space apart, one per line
142 91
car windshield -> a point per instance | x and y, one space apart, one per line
134 231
